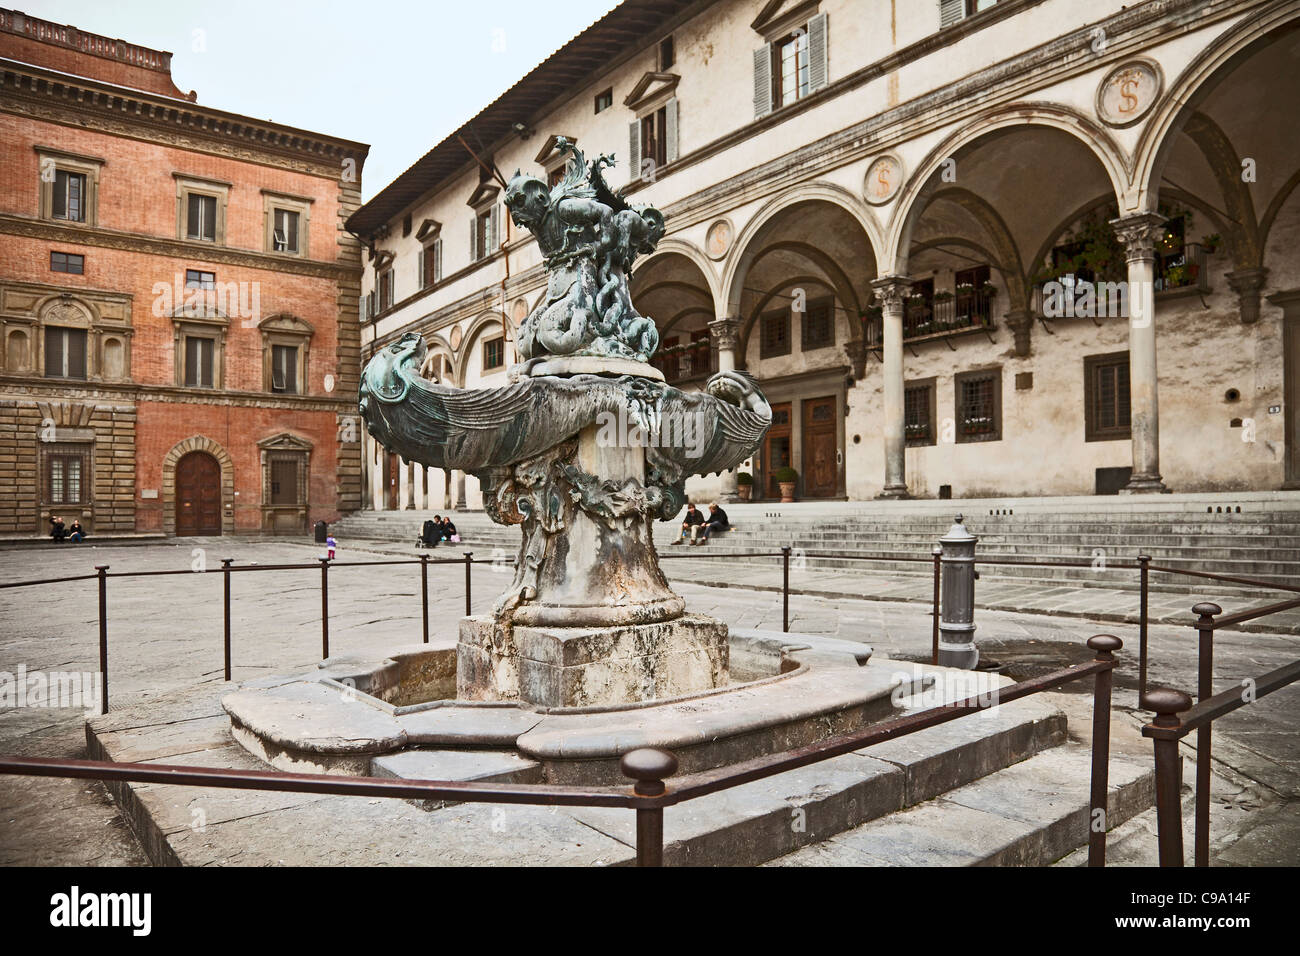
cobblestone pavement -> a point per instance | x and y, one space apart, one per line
165 634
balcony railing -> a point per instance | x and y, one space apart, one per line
680 363
935 319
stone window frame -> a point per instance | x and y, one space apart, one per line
654 100
484 203
68 443
287 330
211 325
1091 430
764 350
285 446
961 437
930 387
827 301
88 166
489 369
271 201
188 185
29 307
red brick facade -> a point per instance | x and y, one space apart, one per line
103 442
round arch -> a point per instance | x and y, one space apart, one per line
912 199
180 450
438 345
738 264
494 320
1191 87
673 245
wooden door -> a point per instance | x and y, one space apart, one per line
198 494
820 468
777 450
391 478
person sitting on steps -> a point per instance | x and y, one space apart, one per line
716 520
692 525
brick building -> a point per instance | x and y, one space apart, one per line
179 340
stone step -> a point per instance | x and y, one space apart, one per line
1030 814
484 766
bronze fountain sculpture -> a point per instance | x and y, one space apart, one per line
584 448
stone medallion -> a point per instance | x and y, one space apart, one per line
883 179
717 242
1128 92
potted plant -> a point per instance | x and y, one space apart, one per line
744 485
786 477
1211 243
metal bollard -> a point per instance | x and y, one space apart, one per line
957 600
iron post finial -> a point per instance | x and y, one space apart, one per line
648 766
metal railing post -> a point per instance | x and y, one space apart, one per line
225 573
102 569
1204 691
785 588
324 607
469 556
957 601
1168 704
936 554
1144 561
648 766
424 592
1105 645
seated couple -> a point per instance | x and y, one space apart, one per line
698 526
436 530
58 532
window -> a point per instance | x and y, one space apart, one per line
554 176
69 195
792 64
953 11
196 279
431 264
198 362
385 290
667 56
979 405
284 369
494 353
654 141
975 6
65 352
67 475
485 235
284 237
284 481
918 413
287 220
791 68
819 325
67 262
201 218
604 100
776 335
652 136
1106 397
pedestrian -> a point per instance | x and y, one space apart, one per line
331 544
76 532
691 526
716 521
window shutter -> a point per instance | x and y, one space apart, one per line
60 207
54 352
437 260
494 225
634 150
473 238
670 130
77 353
762 81
420 278
950 11
192 218
817 75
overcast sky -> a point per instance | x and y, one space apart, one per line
397 74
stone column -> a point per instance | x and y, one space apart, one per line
417 472
460 491
367 477
725 334
890 291
1138 234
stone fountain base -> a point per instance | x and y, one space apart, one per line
589 666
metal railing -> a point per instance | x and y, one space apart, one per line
653 770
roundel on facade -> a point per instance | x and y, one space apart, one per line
455 336
884 178
717 241
519 311
1128 92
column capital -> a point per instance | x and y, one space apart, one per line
725 332
1020 322
1138 234
1247 283
890 291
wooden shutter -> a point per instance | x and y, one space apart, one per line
670 130
473 238
54 352
437 260
76 353
762 81
817 75
494 229
634 150
950 11
421 279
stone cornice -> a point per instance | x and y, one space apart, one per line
79 101
172 248
34 388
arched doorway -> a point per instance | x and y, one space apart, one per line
198 495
